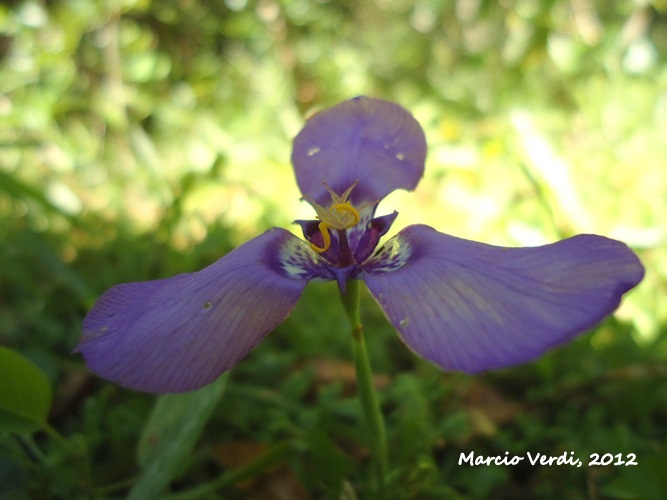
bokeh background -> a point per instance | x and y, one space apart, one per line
140 139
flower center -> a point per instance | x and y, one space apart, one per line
340 215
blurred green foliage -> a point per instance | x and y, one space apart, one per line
140 139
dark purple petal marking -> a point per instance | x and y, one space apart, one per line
470 306
375 229
373 141
312 234
181 333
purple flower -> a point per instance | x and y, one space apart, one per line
461 304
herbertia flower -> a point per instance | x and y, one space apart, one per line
460 304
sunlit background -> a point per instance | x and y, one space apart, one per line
543 119
139 139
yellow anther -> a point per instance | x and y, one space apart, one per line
324 229
346 207
340 215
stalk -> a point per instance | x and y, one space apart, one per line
367 393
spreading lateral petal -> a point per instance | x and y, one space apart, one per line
470 306
181 333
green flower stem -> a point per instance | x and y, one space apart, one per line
369 400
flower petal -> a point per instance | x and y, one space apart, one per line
470 306
370 140
180 333
364 243
312 234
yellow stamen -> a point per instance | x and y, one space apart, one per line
346 207
340 216
324 229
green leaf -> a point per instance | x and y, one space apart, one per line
172 430
25 393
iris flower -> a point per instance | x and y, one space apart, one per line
460 304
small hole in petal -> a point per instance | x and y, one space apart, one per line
313 151
400 156
207 304
404 322
103 329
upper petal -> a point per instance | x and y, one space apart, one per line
470 306
373 141
180 333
